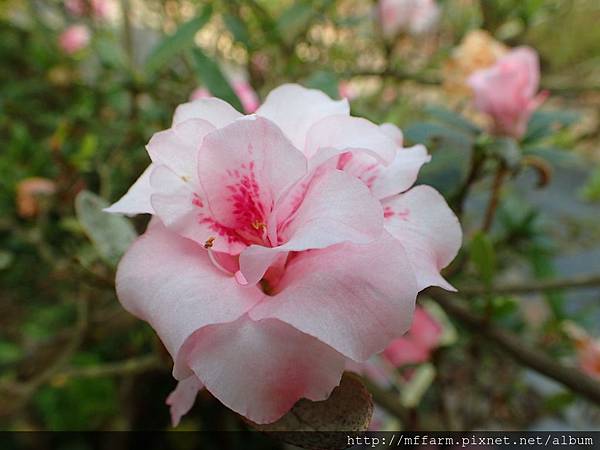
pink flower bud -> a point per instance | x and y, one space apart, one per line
74 38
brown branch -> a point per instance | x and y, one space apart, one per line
386 400
576 282
514 347
492 206
126 367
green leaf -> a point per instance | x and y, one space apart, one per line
182 39
452 119
412 392
324 81
483 256
545 123
294 20
451 150
238 29
507 149
111 234
212 77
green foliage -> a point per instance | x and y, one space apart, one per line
483 257
182 39
212 77
111 234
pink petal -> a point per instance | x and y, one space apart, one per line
214 110
393 132
345 133
336 208
295 109
183 397
260 369
177 147
428 229
404 351
244 169
425 329
137 199
355 298
170 282
385 181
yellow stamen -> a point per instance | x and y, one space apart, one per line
209 242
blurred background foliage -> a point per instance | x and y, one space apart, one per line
76 124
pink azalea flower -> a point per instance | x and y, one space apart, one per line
415 347
199 93
507 91
242 89
412 16
74 38
283 245
247 96
76 7
345 90
99 9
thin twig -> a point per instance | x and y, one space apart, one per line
387 400
576 282
514 347
492 206
126 367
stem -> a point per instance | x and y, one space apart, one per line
127 367
576 282
490 213
387 400
514 347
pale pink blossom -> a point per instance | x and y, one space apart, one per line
100 9
199 93
74 39
77 8
415 347
508 91
247 96
243 91
411 16
346 90
284 245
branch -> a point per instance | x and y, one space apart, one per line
126 367
490 212
576 282
514 347
386 400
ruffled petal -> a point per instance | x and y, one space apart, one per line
214 110
244 169
428 229
177 147
336 208
183 397
344 133
295 109
170 282
355 298
385 181
137 198
260 369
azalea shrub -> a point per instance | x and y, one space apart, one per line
289 215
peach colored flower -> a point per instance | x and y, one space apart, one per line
28 192
477 50
283 245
